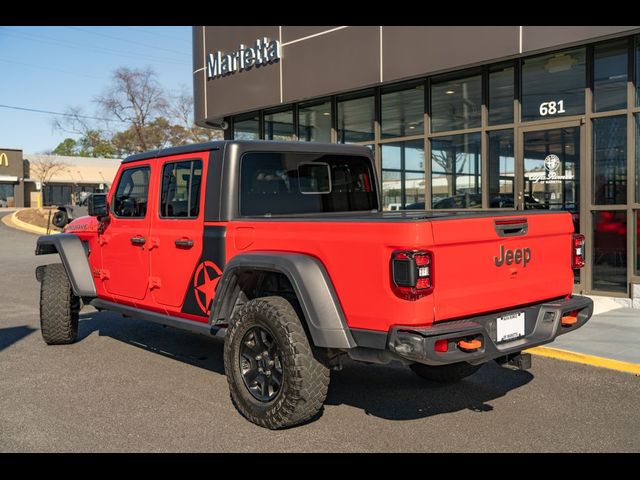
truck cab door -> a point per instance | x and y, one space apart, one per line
177 236
124 239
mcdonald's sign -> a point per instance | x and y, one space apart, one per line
4 160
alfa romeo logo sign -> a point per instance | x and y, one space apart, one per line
552 172
552 163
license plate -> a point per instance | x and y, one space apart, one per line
510 327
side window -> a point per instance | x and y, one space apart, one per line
180 192
130 199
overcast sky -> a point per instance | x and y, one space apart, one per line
52 68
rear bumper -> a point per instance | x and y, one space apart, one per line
543 323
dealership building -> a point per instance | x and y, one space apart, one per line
462 118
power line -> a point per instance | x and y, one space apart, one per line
76 46
144 30
125 40
51 69
35 110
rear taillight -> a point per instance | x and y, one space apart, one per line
577 251
411 274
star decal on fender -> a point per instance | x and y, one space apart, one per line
204 284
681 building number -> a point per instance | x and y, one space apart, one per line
551 108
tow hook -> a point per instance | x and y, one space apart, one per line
518 361
569 320
469 345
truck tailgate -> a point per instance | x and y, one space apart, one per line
478 270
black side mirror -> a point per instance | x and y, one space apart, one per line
97 205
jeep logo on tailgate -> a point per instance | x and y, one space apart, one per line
519 255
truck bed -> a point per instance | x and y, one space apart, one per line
475 268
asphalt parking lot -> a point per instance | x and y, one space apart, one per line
128 385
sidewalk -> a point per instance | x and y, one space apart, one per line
614 334
609 338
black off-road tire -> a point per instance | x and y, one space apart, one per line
451 373
305 379
59 307
60 219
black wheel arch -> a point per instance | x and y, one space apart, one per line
308 281
74 259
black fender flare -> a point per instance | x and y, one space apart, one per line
74 260
313 287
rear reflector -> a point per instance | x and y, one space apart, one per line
441 345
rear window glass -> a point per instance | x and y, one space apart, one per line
290 183
314 178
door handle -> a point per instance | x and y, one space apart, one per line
184 243
138 240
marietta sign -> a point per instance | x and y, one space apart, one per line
263 52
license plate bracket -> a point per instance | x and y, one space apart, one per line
509 327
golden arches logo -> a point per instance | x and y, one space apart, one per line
4 160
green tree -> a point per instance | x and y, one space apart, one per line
157 134
93 144
67 147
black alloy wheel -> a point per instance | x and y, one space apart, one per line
260 363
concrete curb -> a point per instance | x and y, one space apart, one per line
592 360
13 222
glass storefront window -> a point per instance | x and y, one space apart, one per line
610 251
314 122
552 169
456 166
610 160
610 76
637 117
403 112
6 194
553 85
501 95
356 119
391 190
403 165
636 242
455 104
246 128
391 158
501 169
279 126
638 71
414 190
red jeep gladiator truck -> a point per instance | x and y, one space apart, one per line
283 249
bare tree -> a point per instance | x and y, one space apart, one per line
44 168
135 99
180 110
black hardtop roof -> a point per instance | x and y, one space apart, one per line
244 145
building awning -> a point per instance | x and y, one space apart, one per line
8 178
